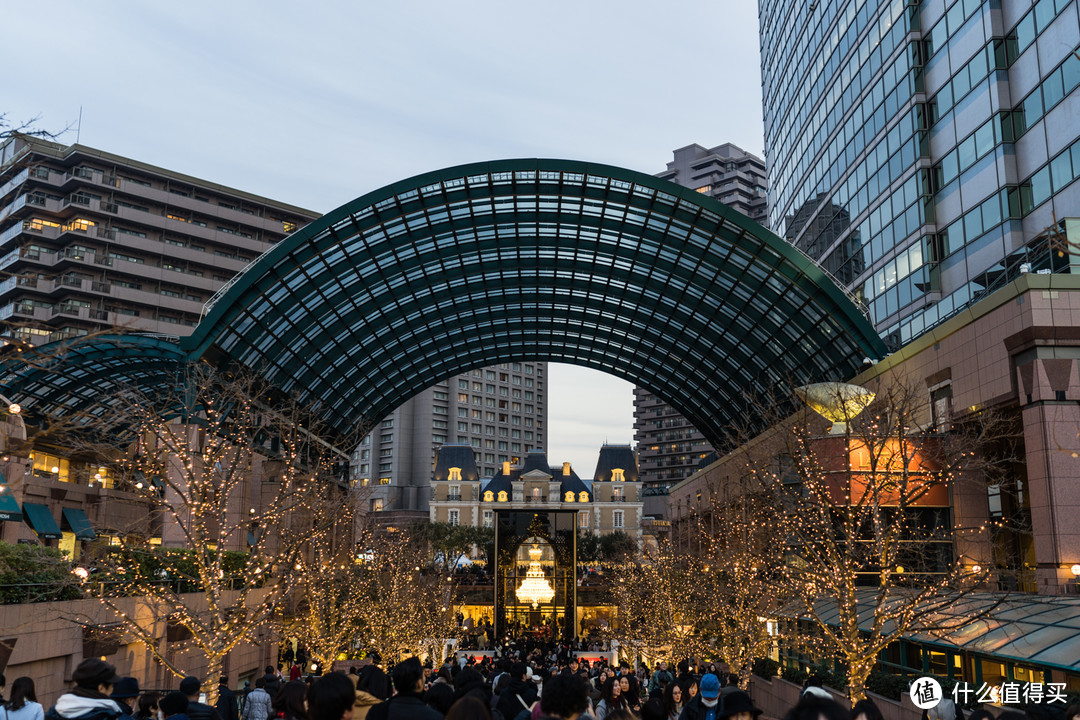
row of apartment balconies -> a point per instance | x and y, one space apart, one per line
84 213
81 176
192 275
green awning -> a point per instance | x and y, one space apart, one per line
77 522
9 507
41 520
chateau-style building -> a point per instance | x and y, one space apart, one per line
610 501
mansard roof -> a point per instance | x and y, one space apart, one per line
459 456
616 456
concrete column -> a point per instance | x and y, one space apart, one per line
1049 391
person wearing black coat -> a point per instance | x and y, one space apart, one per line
227 705
519 695
408 677
196 710
273 682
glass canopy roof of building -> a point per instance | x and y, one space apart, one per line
78 380
1035 629
536 259
513 260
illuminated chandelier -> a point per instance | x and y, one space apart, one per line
535 588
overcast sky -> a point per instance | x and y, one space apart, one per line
317 103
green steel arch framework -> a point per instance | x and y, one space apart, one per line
535 259
77 379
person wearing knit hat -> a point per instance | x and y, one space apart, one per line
89 700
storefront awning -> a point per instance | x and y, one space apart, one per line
77 522
9 507
41 520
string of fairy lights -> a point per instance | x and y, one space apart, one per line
824 543
379 600
239 538
808 519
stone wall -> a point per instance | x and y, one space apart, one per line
776 696
47 642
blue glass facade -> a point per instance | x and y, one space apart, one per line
920 151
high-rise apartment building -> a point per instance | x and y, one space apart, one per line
669 448
725 172
90 240
500 411
923 153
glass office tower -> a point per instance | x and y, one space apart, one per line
924 153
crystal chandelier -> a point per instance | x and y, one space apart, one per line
535 588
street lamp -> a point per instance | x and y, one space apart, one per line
838 403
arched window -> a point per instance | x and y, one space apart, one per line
617 475
502 496
455 475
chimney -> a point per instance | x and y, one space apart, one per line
566 469
506 467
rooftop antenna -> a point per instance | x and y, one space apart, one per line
78 127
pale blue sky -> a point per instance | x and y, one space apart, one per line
317 103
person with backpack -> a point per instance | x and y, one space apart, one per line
519 695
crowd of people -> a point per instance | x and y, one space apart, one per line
533 682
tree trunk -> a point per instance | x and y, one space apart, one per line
858 674
744 677
214 665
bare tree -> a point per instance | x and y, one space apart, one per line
664 608
237 486
326 617
405 604
866 517
744 553
26 128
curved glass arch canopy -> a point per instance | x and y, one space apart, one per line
550 260
77 380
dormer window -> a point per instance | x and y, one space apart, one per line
489 496
502 496
618 475
455 475
583 497
569 496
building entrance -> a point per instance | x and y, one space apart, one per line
536 574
